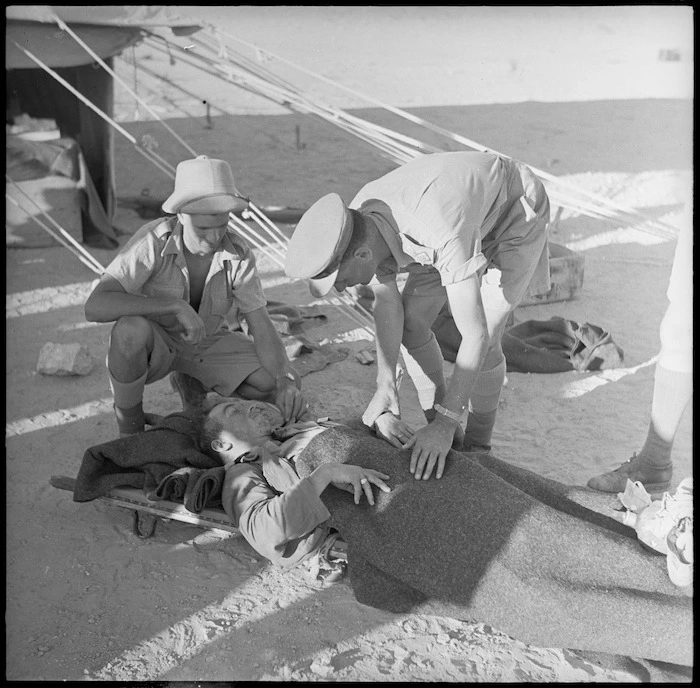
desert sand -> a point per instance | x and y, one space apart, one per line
579 92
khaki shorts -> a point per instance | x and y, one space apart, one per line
221 362
517 250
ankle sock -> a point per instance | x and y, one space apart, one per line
126 395
128 404
483 406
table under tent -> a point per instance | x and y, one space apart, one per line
61 64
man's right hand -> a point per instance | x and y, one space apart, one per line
192 325
385 399
392 429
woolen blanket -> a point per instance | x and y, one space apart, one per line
496 544
143 460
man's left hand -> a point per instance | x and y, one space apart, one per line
289 399
430 447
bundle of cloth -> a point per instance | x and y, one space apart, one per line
556 345
163 461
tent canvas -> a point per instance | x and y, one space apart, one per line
29 89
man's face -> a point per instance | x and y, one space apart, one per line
246 421
203 232
355 269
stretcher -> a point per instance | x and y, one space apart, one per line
146 513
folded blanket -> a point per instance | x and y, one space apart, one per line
499 545
174 486
204 489
142 460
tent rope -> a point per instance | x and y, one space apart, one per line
632 214
61 235
64 27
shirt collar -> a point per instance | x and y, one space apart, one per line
229 249
390 234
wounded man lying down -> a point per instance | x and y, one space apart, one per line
487 543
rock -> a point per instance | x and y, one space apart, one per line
365 357
64 359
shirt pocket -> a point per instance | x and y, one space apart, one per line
417 252
220 313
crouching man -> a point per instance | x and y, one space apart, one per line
175 293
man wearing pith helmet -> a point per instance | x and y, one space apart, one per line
469 228
177 292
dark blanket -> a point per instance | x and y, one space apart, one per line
556 345
499 545
147 460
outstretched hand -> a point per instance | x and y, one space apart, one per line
384 400
430 447
358 480
391 428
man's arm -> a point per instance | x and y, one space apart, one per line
388 320
109 301
286 527
273 357
431 443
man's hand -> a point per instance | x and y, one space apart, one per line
357 480
192 325
385 399
391 428
430 446
289 399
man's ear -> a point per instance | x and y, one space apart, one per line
363 254
220 445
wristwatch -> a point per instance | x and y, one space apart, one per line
449 414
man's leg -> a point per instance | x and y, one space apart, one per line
673 381
130 345
483 403
423 298
673 390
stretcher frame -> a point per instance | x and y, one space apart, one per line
147 513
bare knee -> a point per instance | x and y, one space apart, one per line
131 335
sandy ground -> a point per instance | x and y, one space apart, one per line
87 599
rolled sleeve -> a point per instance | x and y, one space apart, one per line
137 261
285 528
460 258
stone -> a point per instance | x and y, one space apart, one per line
64 359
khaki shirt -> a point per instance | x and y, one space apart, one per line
277 512
435 211
152 263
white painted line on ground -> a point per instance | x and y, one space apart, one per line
60 417
48 299
580 387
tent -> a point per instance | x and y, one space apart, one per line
29 89
223 56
